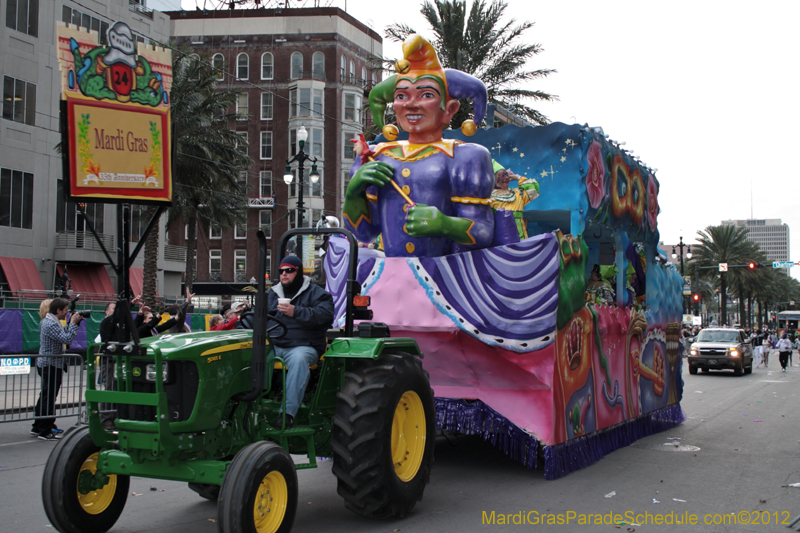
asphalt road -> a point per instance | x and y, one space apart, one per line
747 430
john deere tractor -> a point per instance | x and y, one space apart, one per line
197 408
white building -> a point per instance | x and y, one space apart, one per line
771 236
40 233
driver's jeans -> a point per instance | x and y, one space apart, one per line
297 360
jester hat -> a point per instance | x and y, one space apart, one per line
420 61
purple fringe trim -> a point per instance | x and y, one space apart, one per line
477 418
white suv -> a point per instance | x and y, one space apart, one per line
721 348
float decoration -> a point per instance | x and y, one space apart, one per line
518 347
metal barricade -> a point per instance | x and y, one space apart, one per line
27 392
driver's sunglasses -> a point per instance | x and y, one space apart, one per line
286 270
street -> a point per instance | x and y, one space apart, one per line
746 429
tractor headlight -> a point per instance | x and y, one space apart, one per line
150 374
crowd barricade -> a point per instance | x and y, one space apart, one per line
21 385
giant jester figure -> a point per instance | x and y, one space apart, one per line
426 196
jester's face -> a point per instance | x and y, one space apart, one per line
419 110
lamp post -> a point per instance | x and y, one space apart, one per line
301 158
681 245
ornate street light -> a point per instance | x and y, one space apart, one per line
681 245
301 158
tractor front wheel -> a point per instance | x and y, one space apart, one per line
383 436
73 497
259 492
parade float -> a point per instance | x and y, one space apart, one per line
524 262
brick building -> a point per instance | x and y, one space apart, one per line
308 68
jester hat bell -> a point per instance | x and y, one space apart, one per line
420 60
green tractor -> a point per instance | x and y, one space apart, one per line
196 407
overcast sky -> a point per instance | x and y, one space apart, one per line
706 92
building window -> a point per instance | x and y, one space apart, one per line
265 183
363 76
310 218
266 106
315 142
342 67
240 231
214 231
242 67
240 265
266 66
317 106
266 145
23 15
352 107
302 105
242 146
241 106
349 153
352 79
218 62
215 261
316 188
297 65
318 66
16 199
374 78
265 222
242 181
70 219
19 100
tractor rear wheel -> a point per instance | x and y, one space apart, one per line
383 436
72 501
259 492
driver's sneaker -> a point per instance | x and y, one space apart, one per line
278 424
50 435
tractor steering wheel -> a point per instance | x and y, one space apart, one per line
246 321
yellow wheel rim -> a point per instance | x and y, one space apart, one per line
271 502
408 436
96 501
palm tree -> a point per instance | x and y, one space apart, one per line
208 156
481 45
724 244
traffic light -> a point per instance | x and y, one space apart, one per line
752 266
695 298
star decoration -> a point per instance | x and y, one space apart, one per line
515 148
544 174
563 158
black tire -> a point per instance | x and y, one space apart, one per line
205 490
371 481
242 491
99 510
739 370
692 370
749 369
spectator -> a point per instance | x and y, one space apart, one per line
44 308
214 321
231 317
52 338
784 347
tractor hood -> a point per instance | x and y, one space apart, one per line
201 342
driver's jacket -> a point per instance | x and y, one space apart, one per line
313 316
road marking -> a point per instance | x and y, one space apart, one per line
15 443
768 381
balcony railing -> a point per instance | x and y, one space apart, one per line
215 276
137 7
174 253
240 276
261 201
85 240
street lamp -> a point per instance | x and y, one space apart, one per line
301 158
688 256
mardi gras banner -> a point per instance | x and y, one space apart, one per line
118 123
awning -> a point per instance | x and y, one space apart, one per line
90 281
22 274
136 280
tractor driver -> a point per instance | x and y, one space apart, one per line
307 311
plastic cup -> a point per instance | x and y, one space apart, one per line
284 300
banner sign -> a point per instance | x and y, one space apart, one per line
118 121
687 285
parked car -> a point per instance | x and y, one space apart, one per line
721 348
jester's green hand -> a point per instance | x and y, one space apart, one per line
375 173
424 221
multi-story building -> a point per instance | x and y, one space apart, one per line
771 236
41 233
296 68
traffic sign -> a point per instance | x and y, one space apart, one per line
782 264
723 267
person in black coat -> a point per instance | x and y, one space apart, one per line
307 311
